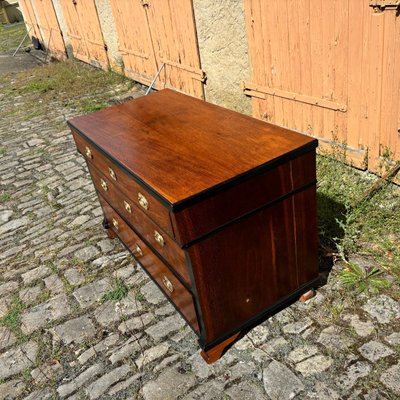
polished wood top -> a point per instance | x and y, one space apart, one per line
182 147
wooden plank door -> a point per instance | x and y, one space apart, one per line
327 68
84 32
30 19
51 32
174 37
156 32
135 44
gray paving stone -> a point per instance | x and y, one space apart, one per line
362 328
17 359
335 339
374 350
168 386
297 327
112 311
358 370
81 219
100 386
245 391
314 365
76 330
322 391
106 245
212 390
44 313
46 373
136 324
241 370
152 293
87 375
393 339
302 352
14 224
35 274
383 308
92 293
54 284
7 338
87 253
41 394
124 384
165 327
280 382
130 348
102 347
8 287
152 354
29 295
391 378
11 389
5 304
74 277
5 216
274 347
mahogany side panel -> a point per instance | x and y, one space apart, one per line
208 214
246 268
166 280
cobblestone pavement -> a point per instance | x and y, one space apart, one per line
61 341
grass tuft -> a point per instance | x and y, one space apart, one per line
118 293
12 319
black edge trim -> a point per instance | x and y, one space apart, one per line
249 213
262 316
213 189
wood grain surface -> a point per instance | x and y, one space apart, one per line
181 146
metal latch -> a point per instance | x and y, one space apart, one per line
382 5
145 3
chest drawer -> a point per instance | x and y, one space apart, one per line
137 193
165 279
161 242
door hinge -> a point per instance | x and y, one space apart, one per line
105 47
382 5
145 3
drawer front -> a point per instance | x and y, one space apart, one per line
156 237
170 285
139 195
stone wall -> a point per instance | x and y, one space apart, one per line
221 31
110 35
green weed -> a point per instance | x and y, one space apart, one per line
363 280
3 151
12 319
118 293
4 197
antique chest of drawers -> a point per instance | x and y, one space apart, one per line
217 207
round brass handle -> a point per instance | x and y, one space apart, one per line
127 207
88 152
115 223
104 184
112 173
143 201
159 239
138 251
167 283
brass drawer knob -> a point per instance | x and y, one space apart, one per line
137 251
167 283
159 239
127 207
88 152
104 184
115 223
112 173
143 201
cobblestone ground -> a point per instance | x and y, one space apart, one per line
58 340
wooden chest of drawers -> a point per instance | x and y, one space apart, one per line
217 207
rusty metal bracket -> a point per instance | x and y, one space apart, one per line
382 5
261 92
